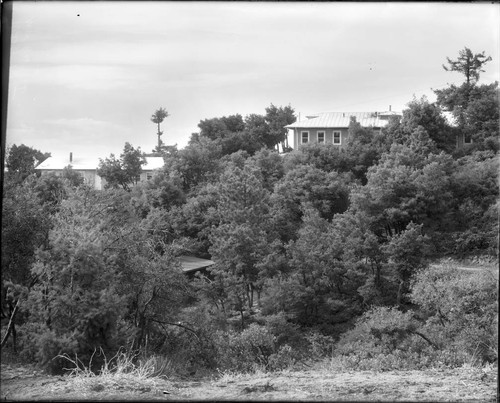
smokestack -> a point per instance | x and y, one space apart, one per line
390 108
70 158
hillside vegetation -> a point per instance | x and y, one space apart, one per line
320 253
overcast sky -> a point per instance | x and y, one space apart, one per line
86 77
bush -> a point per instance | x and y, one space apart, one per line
188 352
45 346
383 339
246 351
461 308
456 324
319 345
285 332
271 344
284 358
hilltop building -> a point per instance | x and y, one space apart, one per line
87 167
332 127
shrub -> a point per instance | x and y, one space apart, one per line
284 358
461 308
319 345
384 338
246 351
285 332
188 352
455 325
45 346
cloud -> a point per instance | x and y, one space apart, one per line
87 77
79 123
85 136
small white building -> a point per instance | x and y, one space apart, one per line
87 167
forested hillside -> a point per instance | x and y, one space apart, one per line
318 252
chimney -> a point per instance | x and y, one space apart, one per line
70 158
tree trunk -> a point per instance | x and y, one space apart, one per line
139 338
377 274
400 292
11 327
250 296
426 339
242 319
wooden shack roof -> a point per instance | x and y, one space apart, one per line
191 264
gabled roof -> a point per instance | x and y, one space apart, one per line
342 120
82 164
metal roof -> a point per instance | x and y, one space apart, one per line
191 263
82 164
342 119
58 163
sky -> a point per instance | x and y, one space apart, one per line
85 77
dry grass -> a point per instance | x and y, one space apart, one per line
228 376
118 374
323 382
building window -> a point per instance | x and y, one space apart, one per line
305 137
336 138
467 139
321 137
149 176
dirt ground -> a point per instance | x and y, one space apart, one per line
450 385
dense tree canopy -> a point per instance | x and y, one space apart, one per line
22 161
421 113
251 133
315 251
123 172
277 118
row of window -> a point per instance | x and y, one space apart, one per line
337 138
